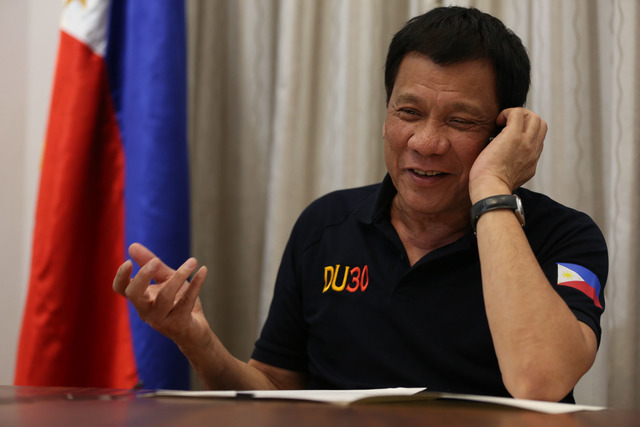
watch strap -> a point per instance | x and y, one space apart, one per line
503 201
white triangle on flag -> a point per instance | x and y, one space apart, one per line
567 275
87 21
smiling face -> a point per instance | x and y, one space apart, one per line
439 118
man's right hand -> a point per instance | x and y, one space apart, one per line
171 306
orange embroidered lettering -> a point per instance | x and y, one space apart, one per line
355 283
328 271
364 283
344 280
359 278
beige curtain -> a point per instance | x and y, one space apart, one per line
287 103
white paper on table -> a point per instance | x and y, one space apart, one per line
349 397
339 397
532 405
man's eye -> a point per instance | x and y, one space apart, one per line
461 123
408 112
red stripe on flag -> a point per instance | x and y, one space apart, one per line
75 329
584 288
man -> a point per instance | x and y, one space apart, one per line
439 276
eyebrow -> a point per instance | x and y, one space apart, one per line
469 108
407 97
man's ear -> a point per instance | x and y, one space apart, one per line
384 132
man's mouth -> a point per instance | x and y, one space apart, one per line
426 173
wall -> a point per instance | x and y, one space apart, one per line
29 34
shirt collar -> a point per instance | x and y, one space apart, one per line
378 207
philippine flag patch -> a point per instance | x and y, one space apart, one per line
580 278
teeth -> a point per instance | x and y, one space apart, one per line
427 173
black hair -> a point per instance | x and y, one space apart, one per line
448 35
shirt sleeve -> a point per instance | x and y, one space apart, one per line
573 255
282 342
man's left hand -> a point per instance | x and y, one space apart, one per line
511 158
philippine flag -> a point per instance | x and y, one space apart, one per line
580 278
114 171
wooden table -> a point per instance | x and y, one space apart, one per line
57 406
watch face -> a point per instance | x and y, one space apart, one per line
519 210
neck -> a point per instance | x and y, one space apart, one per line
423 233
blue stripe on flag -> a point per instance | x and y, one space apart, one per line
146 61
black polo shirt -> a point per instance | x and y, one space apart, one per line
350 311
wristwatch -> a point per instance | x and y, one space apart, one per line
503 201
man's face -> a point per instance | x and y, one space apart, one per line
438 120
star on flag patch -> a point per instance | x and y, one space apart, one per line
580 278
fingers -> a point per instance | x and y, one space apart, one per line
142 255
137 289
155 303
511 159
191 290
166 296
123 277
533 127
523 122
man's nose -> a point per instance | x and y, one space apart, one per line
428 139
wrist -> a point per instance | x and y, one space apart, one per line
196 346
498 202
482 188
